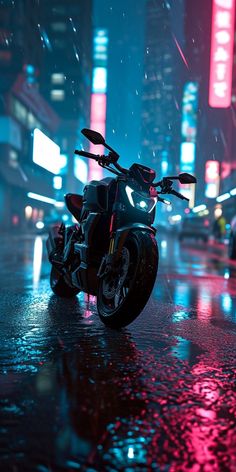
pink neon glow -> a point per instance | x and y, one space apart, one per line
98 123
222 42
212 172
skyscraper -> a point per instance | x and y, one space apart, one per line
66 34
161 90
19 42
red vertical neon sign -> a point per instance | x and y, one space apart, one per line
222 43
98 123
98 98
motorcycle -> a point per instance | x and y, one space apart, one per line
112 251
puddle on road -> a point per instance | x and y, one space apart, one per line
159 395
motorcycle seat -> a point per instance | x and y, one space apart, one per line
74 204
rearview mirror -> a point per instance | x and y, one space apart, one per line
187 178
93 136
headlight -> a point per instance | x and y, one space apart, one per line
140 202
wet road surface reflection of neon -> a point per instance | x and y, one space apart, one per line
159 395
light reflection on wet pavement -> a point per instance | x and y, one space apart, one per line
159 395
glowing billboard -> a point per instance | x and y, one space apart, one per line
189 133
212 179
221 62
46 153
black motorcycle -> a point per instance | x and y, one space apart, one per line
112 251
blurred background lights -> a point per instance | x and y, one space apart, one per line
131 453
28 212
39 225
57 182
80 169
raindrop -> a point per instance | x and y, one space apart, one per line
73 25
76 53
180 51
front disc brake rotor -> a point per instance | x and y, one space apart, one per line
114 280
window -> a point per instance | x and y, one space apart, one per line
13 158
59 27
32 121
59 43
57 95
59 9
57 78
19 111
5 56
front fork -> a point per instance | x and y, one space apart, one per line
108 261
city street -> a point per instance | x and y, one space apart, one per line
158 395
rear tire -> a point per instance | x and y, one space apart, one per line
138 278
59 285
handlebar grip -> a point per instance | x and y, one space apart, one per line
86 154
179 195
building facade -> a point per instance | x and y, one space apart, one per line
45 68
161 91
65 80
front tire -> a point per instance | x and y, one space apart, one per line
59 285
122 297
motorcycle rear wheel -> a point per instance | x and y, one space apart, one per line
59 285
122 297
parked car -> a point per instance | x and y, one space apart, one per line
195 227
232 239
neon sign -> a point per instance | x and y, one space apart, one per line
98 98
222 43
212 179
189 133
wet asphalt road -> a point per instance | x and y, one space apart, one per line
159 395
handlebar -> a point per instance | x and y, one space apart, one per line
104 160
87 154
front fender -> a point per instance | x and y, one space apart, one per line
122 233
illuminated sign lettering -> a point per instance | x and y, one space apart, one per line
222 42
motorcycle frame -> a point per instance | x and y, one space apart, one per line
122 219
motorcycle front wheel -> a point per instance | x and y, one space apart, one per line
124 292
